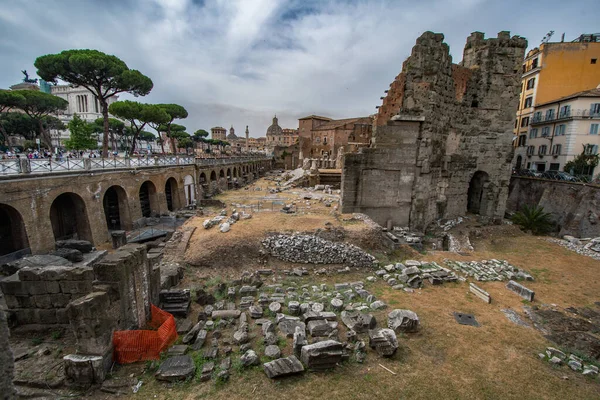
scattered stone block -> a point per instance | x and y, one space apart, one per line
200 339
322 355
360 323
249 358
521 290
176 368
384 341
283 367
84 370
177 350
288 326
403 321
226 314
482 294
272 351
82 245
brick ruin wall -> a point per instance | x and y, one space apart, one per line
439 124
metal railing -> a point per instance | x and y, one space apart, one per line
580 113
18 166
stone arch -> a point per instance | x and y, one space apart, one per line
202 178
235 173
148 199
13 234
69 218
477 199
519 164
116 208
221 173
172 194
229 176
213 176
190 190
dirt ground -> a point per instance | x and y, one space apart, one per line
444 360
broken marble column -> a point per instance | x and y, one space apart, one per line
521 290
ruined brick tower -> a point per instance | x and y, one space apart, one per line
442 140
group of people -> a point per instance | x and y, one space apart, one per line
59 155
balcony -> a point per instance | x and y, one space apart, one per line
564 116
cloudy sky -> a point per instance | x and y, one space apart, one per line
241 61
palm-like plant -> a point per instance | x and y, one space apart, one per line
533 219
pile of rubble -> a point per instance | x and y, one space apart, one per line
412 273
224 222
489 270
311 249
404 236
557 358
586 246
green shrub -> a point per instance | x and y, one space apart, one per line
533 219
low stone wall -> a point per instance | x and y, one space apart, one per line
40 295
574 206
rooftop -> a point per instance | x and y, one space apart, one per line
336 123
315 117
586 93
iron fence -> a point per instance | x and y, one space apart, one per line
9 167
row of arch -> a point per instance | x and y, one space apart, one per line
68 212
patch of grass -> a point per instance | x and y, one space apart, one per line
57 334
36 341
214 281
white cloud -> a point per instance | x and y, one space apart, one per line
241 61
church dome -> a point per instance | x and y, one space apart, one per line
232 135
274 129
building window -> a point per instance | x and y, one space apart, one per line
522 140
528 102
546 131
593 129
530 150
556 149
593 61
542 150
534 63
550 114
565 111
317 140
531 83
533 133
595 110
590 149
325 140
537 117
524 122
96 107
554 167
560 130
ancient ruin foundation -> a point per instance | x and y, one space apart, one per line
442 138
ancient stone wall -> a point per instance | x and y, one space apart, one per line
574 207
6 361
442 138
40 295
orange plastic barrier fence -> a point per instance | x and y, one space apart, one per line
141 345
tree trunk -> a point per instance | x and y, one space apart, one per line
114 143
172 139
45 137
162 145
105 135
135 135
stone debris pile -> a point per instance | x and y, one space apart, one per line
558 358
489 270
224 222
314 250
586 246
412 273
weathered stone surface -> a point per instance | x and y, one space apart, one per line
191 335
200 339
176 368
360 323
521 290
177 350
320 328
288 326
384 341
228 314
84 370
322 355
82 245
299 340
275 307
72 255
44 261
255 312
283 367
337 304
482 294
403 321
378 305
272 351
249 358
6 360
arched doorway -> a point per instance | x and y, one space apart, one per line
235 173
172 194
116 208
202 179
221 174
213 176
519 162
477 188
148 200
13 236
69 218
190 190
229 173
